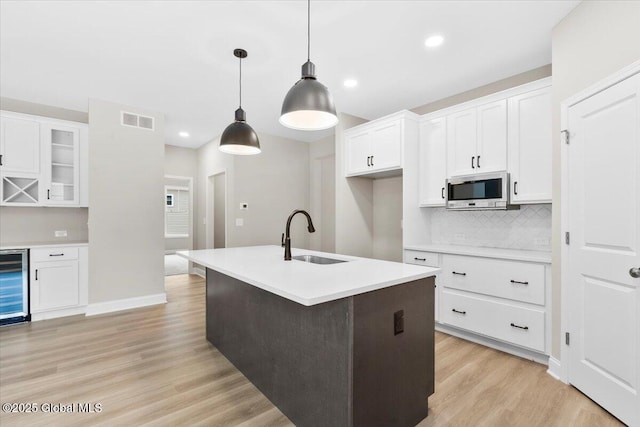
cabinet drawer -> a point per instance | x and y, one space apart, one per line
517 325
53 254
519 281
428 259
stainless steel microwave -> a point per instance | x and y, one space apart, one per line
478 192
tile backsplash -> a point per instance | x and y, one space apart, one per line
528 228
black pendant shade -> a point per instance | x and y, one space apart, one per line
239 138
308 105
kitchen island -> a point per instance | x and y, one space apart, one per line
348 343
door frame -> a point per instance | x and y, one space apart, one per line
601 85
209 228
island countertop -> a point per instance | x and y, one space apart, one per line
305 283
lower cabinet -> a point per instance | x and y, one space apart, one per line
504 300
58 281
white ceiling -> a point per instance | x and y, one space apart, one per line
176 57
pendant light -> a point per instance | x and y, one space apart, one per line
239 137
308 104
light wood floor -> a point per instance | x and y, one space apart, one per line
153 366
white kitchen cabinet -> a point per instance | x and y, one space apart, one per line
58 281
44 161
427 259
62 158
432 162
530 147
375 148
477 139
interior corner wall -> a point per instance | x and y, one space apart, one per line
272 183
126 219
354 201
181 161
322 194
595 40
387 219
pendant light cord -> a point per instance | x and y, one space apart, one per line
240 82
308 30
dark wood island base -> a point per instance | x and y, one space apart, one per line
363 360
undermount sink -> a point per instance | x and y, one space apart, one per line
313 259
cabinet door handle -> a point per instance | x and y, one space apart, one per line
513 325
515 188
472 159
459 274
519 282
36 274
48 194
368 160
1 159
419 259
442 192
371 160
460 312
478 162
60 254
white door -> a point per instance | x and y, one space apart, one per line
433 165
358 153
530 146
491 153
461 143
604 222
20 146
386 146
54 285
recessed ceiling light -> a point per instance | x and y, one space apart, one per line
350 83
184 134
434 41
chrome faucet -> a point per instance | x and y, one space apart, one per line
286 240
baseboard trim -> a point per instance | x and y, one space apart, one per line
200 272
554 368
125 304
495 344
52 314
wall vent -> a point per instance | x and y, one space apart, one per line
137 121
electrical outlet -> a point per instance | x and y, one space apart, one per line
60 233
239 222
541 241
244 206
459 237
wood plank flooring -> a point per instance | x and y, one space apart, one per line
153 366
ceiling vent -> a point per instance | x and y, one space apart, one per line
137 121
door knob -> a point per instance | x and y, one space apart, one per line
634 272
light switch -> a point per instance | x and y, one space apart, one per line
239 222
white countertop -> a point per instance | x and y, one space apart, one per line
308 284
511 254
61 244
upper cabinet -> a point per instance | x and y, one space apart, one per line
44 161
376 148
432 163
530 146
477 139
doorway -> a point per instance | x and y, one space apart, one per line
216 212
178 222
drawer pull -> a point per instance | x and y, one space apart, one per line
519 282
459 274
461 312
513 325
56 254
419 259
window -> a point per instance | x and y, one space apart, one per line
170 200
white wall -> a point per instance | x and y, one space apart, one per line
596 39
322 194
126 193
387 217
273 183
354 201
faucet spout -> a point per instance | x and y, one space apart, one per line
287 237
